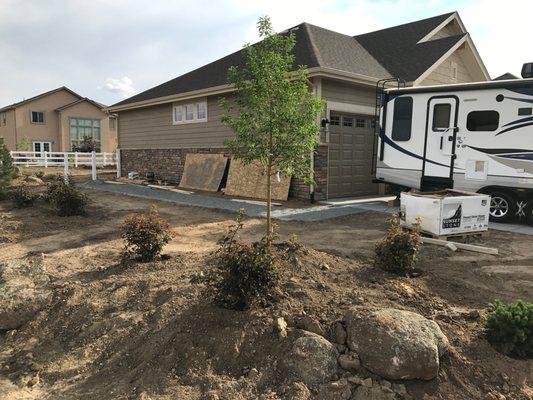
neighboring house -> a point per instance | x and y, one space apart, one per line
56 121
505 77
160 126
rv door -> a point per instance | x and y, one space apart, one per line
439 149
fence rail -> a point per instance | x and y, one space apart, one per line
59 159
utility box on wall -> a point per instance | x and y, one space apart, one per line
446 212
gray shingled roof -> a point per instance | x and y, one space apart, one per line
391 52
396 48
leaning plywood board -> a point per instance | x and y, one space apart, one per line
203 171
250 181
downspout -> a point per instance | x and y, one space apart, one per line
317 90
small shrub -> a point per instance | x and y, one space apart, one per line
509 328
22 196
66 198
145 234
7 170
87 145
51 177
398 251
242 274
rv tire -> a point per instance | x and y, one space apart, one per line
502 206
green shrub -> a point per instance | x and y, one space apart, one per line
66 198
145 234
398 251
7 170
509 328
22 196
242 274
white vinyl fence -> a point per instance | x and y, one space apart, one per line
58 159
67 160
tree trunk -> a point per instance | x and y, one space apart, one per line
269 205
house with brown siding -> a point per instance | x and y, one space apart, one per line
159 126
57 120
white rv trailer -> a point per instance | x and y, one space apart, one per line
476 137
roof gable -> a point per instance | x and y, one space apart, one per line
100 106
399 48
39 96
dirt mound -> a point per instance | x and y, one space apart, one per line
143 331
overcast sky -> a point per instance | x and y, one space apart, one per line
109 50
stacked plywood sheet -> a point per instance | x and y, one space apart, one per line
203 171
250 181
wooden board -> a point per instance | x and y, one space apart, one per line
203 171
250 181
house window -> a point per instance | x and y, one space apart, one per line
81 128
38 147
37 117
4 118
201 111
402 119
347 121
486 121
190 112
441 117
360 123
112 123
334 120
453 71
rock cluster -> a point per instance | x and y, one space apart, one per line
364 350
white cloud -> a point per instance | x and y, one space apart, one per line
123 86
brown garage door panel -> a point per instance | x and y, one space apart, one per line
350 156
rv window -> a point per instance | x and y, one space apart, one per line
403 116
441 116
482 121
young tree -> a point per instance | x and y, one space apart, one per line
275 112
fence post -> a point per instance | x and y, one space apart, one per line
118 163
93 162
45 159
65 167
76 159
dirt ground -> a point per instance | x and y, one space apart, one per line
143 331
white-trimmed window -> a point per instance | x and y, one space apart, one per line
37 117
189 112
112 123
3 118
81 128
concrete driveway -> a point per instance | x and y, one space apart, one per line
321 211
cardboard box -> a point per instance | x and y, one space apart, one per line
446 212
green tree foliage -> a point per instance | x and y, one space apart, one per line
7 170
509 328
274 116
24 145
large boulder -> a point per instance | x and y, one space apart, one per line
396 344
313 359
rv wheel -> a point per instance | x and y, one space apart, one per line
502 207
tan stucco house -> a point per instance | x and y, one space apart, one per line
56 121
158 127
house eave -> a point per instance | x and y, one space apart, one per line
215 90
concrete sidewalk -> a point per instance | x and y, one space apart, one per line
252 208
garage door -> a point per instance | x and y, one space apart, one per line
350 156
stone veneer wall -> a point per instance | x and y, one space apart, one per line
168 165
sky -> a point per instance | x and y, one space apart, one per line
110 50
